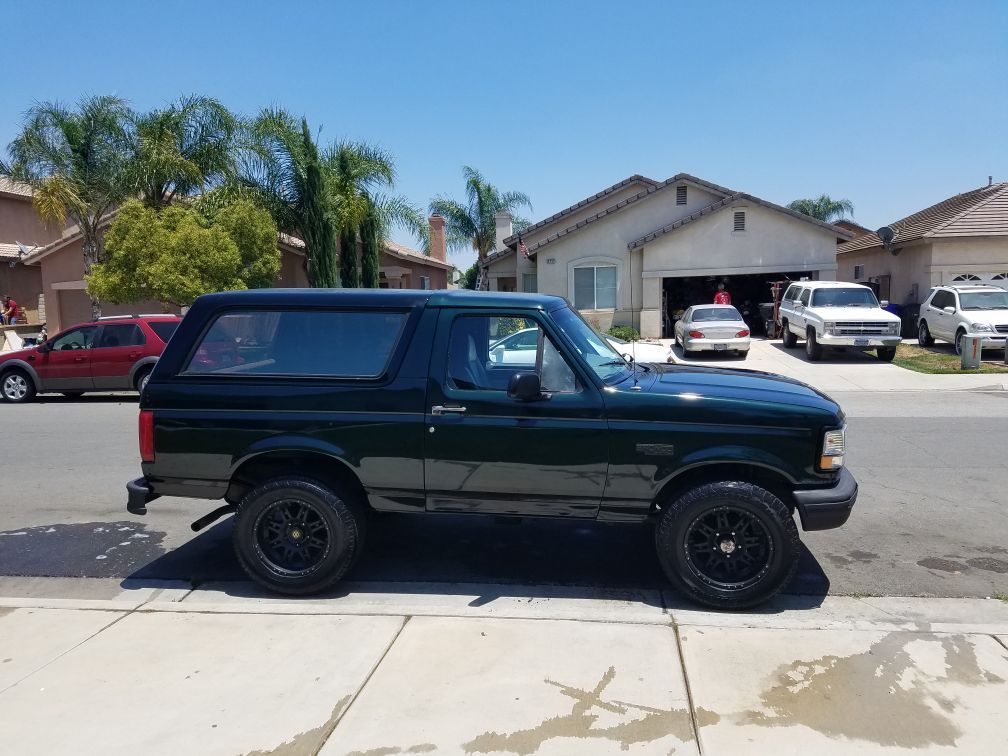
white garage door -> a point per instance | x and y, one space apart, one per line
995 277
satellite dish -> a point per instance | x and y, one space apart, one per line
24 250
886 234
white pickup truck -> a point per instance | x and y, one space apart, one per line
836 314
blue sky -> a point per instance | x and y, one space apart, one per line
891 105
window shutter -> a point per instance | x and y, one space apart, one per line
740 220
680 195
858 272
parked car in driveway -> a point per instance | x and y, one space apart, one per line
951 312
837 314
712 327
333 404
520 347
109 354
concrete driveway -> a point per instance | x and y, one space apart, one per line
839 370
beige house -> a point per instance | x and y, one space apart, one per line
961 239
640 251
21 231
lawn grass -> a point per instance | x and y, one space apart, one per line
927 360
1001 597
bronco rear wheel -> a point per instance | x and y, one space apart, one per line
297 535
730 545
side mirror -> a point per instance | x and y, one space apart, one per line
525 387
950 310
884 303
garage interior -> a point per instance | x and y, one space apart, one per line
746 291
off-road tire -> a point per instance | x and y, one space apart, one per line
924 337
346 529
787 336
886 354
813 349
679 515
20 389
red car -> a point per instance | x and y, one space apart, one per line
109 354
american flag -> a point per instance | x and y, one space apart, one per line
522 248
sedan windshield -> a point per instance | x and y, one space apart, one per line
707 314
984 300
605 361
844 298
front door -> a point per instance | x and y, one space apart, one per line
119 346
486 452
65 362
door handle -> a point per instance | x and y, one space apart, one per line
133 355
437 409
78 359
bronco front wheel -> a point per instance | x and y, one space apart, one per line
729 545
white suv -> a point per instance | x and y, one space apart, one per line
836 314
951 312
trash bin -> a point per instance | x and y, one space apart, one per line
972 349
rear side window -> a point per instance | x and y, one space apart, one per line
804 297
120 336
163 328
331 343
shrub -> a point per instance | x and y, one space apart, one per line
627 333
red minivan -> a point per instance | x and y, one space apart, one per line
109 354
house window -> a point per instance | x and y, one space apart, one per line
595 288
966 277
424 282
680 195
858 272
739 220
530 283
1000 277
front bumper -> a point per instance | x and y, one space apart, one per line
825 508
138 495
863 342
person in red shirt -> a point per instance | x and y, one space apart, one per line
10 311
722 296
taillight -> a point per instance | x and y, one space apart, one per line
146 436
696 334
742 334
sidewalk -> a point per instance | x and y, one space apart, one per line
842 371
420 668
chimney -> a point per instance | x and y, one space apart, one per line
503 219
990 181
438 247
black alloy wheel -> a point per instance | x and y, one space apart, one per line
728 547
293 536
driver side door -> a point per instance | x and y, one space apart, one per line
486 452
65 361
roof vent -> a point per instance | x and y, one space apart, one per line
739 220
680 195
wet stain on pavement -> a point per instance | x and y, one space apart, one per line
419 748
645 724
5 610
990 564
85 549
992 549
8 659
309 742
944 565
851 557
841 696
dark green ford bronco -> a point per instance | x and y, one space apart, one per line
304 410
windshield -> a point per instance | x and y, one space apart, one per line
706 314
844 298
596 351
984 300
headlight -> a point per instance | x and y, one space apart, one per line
833 448
983 327
894 329
829 327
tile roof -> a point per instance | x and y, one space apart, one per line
11 251
733 199
14 188
980 212
651 189
408 253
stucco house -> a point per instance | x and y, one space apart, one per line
960 239
641 250
21 231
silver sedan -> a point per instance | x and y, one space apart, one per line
712 327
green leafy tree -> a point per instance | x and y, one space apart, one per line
75 160
469 277
182 150
474 223
177 254
824 208
371 243
348 269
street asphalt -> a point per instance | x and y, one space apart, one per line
930 519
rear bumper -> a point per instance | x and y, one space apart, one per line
708 344
825 508
138 494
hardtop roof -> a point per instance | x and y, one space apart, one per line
381 298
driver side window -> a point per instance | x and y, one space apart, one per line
77 338
484 352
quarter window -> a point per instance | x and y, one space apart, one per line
163 328
325 343
595 288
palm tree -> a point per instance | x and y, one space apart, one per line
182 150
75 161
474 223
824 208
283 170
